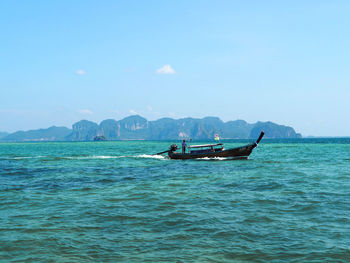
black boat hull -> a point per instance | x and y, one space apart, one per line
242 152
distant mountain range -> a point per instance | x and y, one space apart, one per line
3 134
138 128
50 134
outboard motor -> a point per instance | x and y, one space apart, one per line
173 148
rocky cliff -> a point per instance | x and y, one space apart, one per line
138 128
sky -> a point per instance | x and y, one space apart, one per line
287 62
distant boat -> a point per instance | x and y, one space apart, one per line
213 151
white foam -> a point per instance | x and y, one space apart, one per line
150 156
22 158
213 158
106 157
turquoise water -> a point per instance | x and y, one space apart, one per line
115 202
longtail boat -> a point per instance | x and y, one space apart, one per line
213 151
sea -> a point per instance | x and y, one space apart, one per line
118 202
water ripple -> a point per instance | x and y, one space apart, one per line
75 202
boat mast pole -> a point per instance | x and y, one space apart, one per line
260 137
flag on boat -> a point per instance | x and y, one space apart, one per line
216 137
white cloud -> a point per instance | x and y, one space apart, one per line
149 108
166 69
80 72
133 111
85 111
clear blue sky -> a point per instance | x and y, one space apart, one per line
281 61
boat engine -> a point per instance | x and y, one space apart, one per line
173 148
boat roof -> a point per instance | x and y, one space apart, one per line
204 145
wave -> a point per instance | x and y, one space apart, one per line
144 156
84 157
62 157
214 159
22 157
92 157
150 156
115 157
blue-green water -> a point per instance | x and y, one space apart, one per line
114 202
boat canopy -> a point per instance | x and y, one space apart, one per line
204 145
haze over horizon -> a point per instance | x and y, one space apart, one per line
285 62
